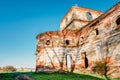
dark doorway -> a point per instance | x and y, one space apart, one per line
84 57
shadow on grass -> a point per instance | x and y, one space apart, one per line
11 75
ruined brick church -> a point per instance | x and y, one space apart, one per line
85 36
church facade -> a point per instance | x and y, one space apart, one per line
85 37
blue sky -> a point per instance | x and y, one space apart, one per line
22 20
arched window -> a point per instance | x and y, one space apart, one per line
48 42
118 21
67 42
89 16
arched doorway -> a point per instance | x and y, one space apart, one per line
68 61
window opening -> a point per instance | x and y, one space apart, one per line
47 42
67 42
89 16
118 21
97 31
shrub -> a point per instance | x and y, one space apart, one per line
100 67
9 69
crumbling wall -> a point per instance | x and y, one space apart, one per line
83 15
72 49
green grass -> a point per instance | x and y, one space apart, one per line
54 76
6 76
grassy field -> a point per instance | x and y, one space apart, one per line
54 76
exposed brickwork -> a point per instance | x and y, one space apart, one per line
81 42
